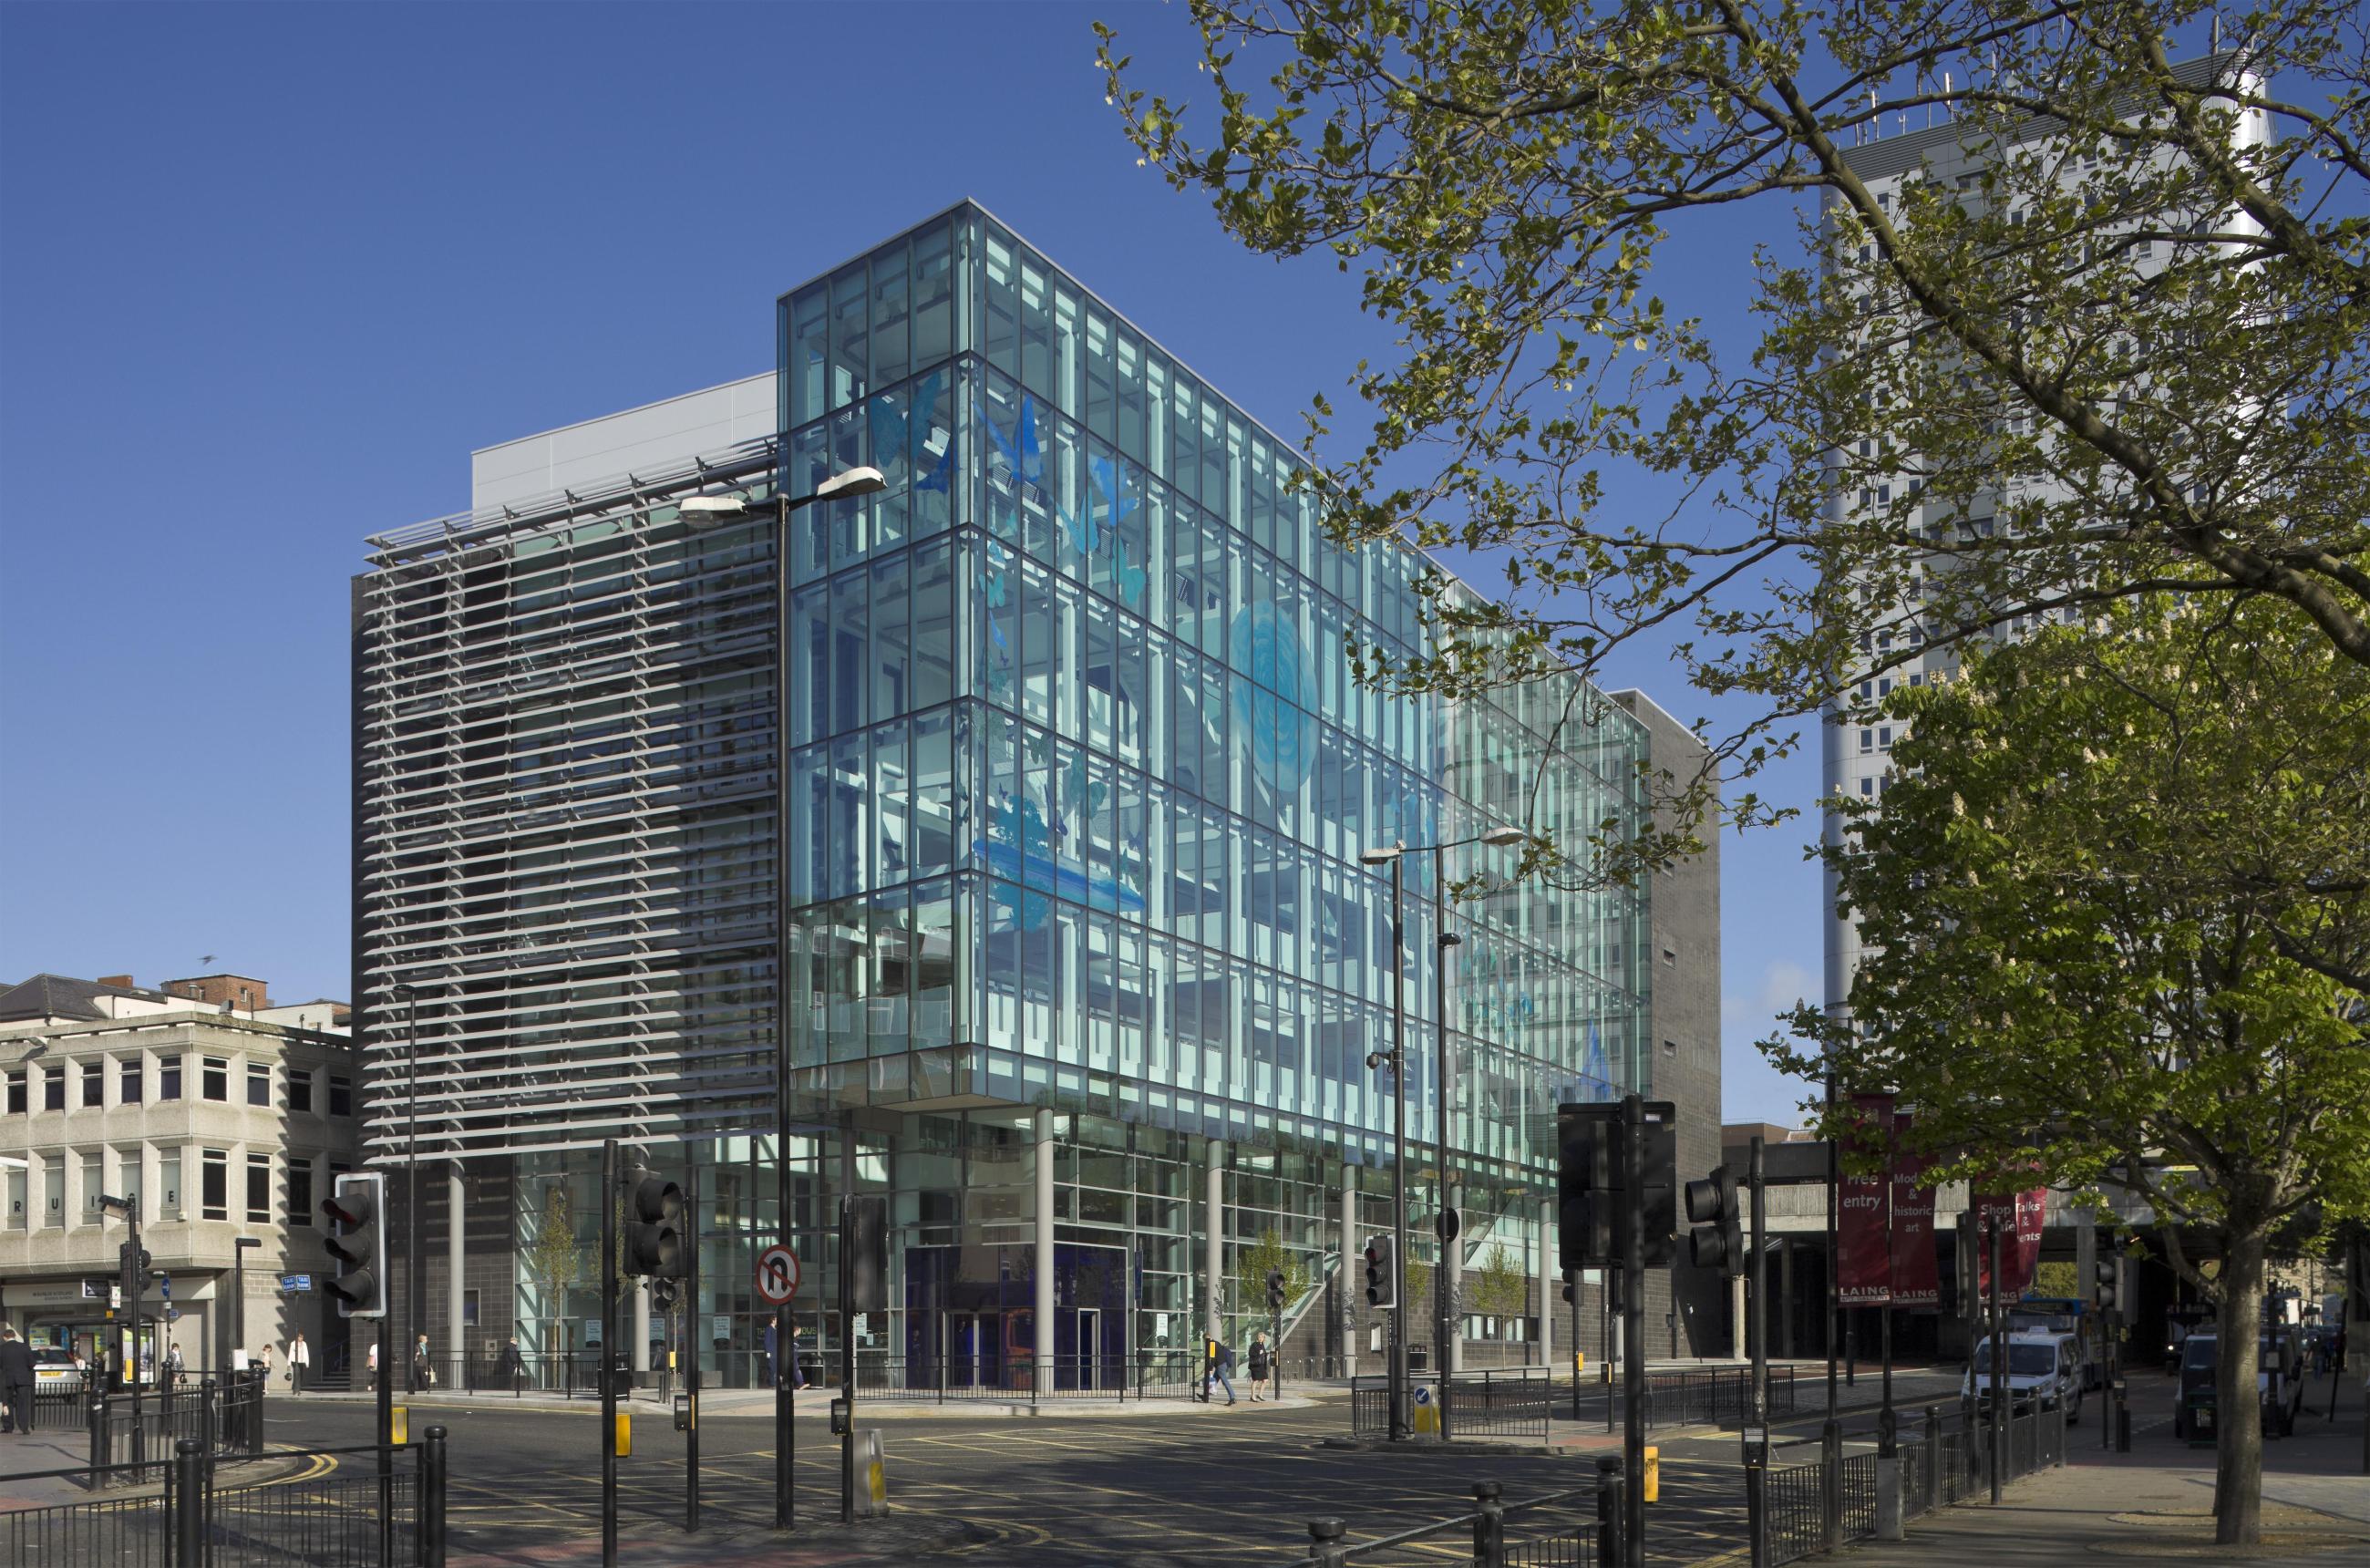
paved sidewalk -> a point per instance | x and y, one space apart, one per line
2076 1515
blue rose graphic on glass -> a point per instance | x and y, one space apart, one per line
1271 706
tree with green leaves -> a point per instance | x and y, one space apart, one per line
2116 909
1253 1263
2128 352
555 1257
1500 1288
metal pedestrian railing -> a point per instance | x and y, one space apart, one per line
1947 1463
215 1511
1518 1402
1562 1529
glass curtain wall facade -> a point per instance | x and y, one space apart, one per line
1037 790
1079 777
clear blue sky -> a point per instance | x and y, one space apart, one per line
268 274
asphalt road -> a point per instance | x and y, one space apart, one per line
1162 1488
1162 1491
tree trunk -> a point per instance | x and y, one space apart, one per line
2238 1414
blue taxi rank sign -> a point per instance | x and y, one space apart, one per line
297 1284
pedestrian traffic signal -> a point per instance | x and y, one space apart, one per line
655 1212
2110 1267
1586 1199
1382 1274
1275 1290
357 1240
1716 1240
664 1294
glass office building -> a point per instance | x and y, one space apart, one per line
1058 893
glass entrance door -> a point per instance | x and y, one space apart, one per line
1089 1343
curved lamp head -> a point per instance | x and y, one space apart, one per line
852 481
1503 837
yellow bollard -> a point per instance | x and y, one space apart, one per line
1653 1474
625 1433
399 1428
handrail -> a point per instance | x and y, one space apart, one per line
1420 1531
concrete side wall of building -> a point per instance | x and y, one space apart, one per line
1683 1041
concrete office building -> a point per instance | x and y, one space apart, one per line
217 1114
1017 833
1857 747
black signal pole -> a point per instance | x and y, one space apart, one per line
1632 1249
688 1340
1756 1331
608 1267
847 1353
1999 1362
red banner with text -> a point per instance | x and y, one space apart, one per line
1916 1281
1863 1210
2018 1216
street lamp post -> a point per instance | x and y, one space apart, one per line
1441 1326
700 511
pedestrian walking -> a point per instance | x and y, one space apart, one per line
1222 1367
423 1370
173 1364
16 1382
512 1365
374 1367
773 1373
300 1363
1262 1361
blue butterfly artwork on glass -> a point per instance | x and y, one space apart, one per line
901 435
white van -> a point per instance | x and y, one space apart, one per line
2043 1370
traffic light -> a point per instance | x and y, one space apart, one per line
2109 1266
1275 1290
1586 1198
868 1253
1382 1274
1717 1240
357 1240
654 1241
1659 1248
132 1263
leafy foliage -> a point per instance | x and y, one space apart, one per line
1499 1288
2116 909
2129 351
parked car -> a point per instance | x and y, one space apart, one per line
54 1372
2279 1384
2043 1370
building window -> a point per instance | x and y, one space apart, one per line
53 1189
93 1182
168 1184
128 1081
18 1216
259 1189
1867 740
469 1319
215 1084
126 1180
214 1185
259 1083
300 1091
20 1098
53 1088
341 1093
300 1192
169 1078
94 1084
